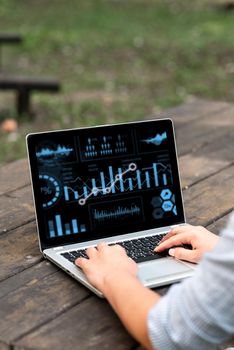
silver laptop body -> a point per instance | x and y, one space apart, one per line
109 183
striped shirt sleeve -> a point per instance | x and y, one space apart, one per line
199 312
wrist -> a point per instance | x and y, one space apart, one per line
112 279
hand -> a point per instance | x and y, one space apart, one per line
198 237
105 261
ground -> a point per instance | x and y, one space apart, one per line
117 60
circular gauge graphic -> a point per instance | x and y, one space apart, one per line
50 190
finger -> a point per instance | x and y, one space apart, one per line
101 245
183 254
117 246
175 231
91 251
181 238
81 262
168 235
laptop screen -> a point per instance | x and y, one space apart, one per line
103 181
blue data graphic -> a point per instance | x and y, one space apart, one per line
165 203
157 140
50 190
105 146
119 212
104 185
60 151
50 153
58 229
117 181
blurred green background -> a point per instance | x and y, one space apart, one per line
117 60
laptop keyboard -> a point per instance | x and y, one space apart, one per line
140 250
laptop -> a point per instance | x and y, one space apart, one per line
114 183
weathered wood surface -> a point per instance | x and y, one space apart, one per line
43 308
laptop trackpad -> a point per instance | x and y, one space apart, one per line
156 269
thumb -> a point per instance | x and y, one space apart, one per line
183 254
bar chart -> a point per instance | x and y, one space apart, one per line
58 229
118 181
105 146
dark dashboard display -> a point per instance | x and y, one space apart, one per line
98 182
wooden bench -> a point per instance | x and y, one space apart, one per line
24 86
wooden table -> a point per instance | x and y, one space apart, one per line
43 308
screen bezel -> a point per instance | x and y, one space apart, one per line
33 138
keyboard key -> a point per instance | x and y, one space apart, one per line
139 249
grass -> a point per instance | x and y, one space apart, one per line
117 60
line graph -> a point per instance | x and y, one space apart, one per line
103 189
117 181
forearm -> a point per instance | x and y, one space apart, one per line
132 302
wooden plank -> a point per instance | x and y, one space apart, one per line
14 175
19 250
206 161
39 300
16 208
27 277
91 324
193 110
210 199
206 130
8 82
218 225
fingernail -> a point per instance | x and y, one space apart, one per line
171 252
77 261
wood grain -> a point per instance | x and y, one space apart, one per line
206 161
40 299
19 250
196 135
16 208
194 110
90 325
210 199
13 176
